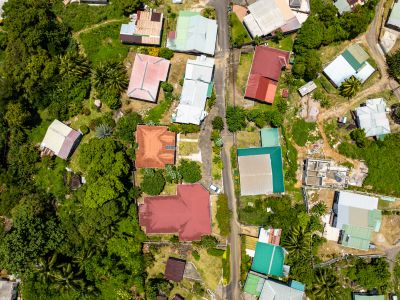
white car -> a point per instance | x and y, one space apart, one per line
215 188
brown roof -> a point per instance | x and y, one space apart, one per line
159 297
157 147
175 269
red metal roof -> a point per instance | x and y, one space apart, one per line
265 72
147 73
187 213
156 148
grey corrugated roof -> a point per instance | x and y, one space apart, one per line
394 18
372 117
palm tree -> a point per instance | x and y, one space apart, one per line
350 87
66 278
325 285
298 242
103 131
74 64
45 268
110 77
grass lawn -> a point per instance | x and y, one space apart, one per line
102 43
243 70
52 179
239 34
302 132
284 44
209 267
156 113
246 139
188 148
328 53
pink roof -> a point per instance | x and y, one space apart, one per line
187 213
265 72
68 144
147 73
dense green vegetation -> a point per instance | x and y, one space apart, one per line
223 215
382 159
393 62
239 35
301 132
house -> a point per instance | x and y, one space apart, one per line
360 296
59 140
144 29
8 290
187 213
147 74
174 269
261 169
269 236
278 290
265 72
325 173
372 118
268 259
197 87
267 16
194 33
156 147
342 6
356 216
352 62
307 88
394 18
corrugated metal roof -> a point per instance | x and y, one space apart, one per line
356 237
351 60
368 297
307 88
358 53
274 290
364 72
254 284
375 219
339 70
372 117
255 175
268 259
394 18
342 6
270 137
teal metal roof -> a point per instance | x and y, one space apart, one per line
276 164
351 60
297 285
254 284
270 137
268 259
356 237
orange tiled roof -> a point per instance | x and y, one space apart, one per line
156 147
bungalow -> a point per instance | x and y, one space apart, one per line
356 217
156 147
174 269
261 169
269 236
372 118
194 34
197 87
60 140
187 213
144 29
352 62
269 260
265 72
147 73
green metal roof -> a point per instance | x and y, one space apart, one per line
375 219
358 53
254 284
276 164
356 237
270 137
368 297
268 259
351 60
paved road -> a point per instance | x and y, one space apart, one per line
232 291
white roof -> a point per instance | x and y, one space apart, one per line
372 117
250 253
339 70
307 88
1 6
127 29
8 290
198 76
394 18
365 72
353 208
265 17
273 290
255 174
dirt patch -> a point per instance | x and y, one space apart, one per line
249 230
390 229
246 139
332 249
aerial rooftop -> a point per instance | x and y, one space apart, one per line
144 28
194 33
265 72
372 118
59 140
268 259
147 73
187 213
156 147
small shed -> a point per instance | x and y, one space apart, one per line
175 269
307 88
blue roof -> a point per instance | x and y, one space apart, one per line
270 137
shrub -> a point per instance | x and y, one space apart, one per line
359 137
167 87
218 123
126 126
196 255
190 171
223 215
207 242
184 128
153 182
166 53
84 129
215 252
86 111
235 118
